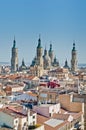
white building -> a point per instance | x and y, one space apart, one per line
32 118
18 118
47 109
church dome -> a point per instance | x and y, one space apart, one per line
66 64
47 60
34 62
23 66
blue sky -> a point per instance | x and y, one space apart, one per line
58 21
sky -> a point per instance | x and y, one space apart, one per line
57 21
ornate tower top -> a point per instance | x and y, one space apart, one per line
55 62
55 59
50 47
23 63
73 46
14 43
39 43
74 58
14 58
51 53
45 51
66 64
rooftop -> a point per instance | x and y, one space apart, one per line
53 122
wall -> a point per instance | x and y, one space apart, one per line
42 110
66 103
46 109
6 119
31 119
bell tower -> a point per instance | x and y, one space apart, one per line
74 59
39 53
51 53
14 57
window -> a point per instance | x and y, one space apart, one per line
16 121
25 124
49 114
33 117
33 122
50 96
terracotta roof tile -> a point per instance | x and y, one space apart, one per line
41 120
32 94
61 116
76 115
63 111
13 113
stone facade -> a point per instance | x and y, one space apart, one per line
74 59
14 58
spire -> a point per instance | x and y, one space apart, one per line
14 42
39 42
55 60
50 46
23 64
66 63
45 51
73 46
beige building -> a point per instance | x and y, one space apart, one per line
75 104
48 96
36 71
59 73
14 87
81 99
14 57
74 59
67 103
60 121
37 64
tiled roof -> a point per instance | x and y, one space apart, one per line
32 94
13 77
47 127
63 111
31 77
13 113
61 116
41 120
76 115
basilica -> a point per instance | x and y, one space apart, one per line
46 60
43 60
